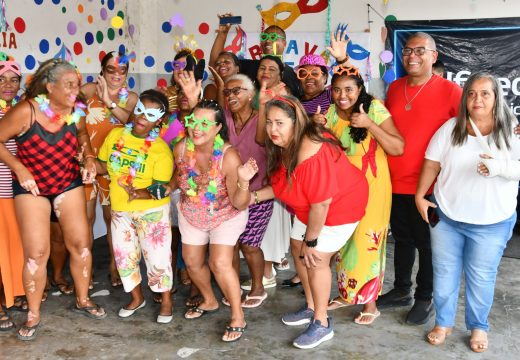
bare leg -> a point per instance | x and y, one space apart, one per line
255 261
195 259
114 275
301 271
221 264
70 208
33 214
320 284
59 256
268 269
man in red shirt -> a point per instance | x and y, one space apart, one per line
419 103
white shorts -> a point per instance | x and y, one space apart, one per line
331 238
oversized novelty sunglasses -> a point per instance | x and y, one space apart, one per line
151 114
347 70
314 72
204 124
120 70
270 36
178 65
235 91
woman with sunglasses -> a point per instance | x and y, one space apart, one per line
367 132
212 210
138 161
48 131
241 120
109 105
11 252
227 65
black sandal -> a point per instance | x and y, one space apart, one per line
20 304
6 322
28 328
230 329
87 311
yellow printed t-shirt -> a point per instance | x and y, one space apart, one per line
157 167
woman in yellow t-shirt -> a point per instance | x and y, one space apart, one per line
137 160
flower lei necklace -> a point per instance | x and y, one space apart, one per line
4 107
209 195
123 99
44 105
116 159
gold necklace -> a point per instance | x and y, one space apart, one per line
408 105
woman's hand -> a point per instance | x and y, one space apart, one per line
102 90
219 83
88 173
482 168
319 118
310 256
27 181
190 87
361 119
338 46
247 170
223 28
422 206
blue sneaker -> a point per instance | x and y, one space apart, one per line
301 317
314 335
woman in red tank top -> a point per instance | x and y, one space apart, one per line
47 130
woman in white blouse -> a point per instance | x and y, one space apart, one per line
474 158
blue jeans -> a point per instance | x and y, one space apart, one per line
476 250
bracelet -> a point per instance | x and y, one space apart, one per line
257 199
90 156
342 61
241 188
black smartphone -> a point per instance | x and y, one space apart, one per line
433 217
157 191
231 20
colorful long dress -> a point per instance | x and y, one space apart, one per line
360 264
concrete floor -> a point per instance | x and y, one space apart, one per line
65 335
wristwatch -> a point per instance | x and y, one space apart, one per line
311 243
112 106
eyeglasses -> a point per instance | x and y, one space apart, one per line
314 72
419 51
348 70
178 65
270 36
121 70
203 123
151 114
235 91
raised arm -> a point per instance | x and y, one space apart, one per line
220 40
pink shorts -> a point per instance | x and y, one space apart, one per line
226 233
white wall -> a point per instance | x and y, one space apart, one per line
49 21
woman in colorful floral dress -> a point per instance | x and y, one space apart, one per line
365 128
137 161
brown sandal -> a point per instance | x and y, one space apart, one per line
438 335
478 341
